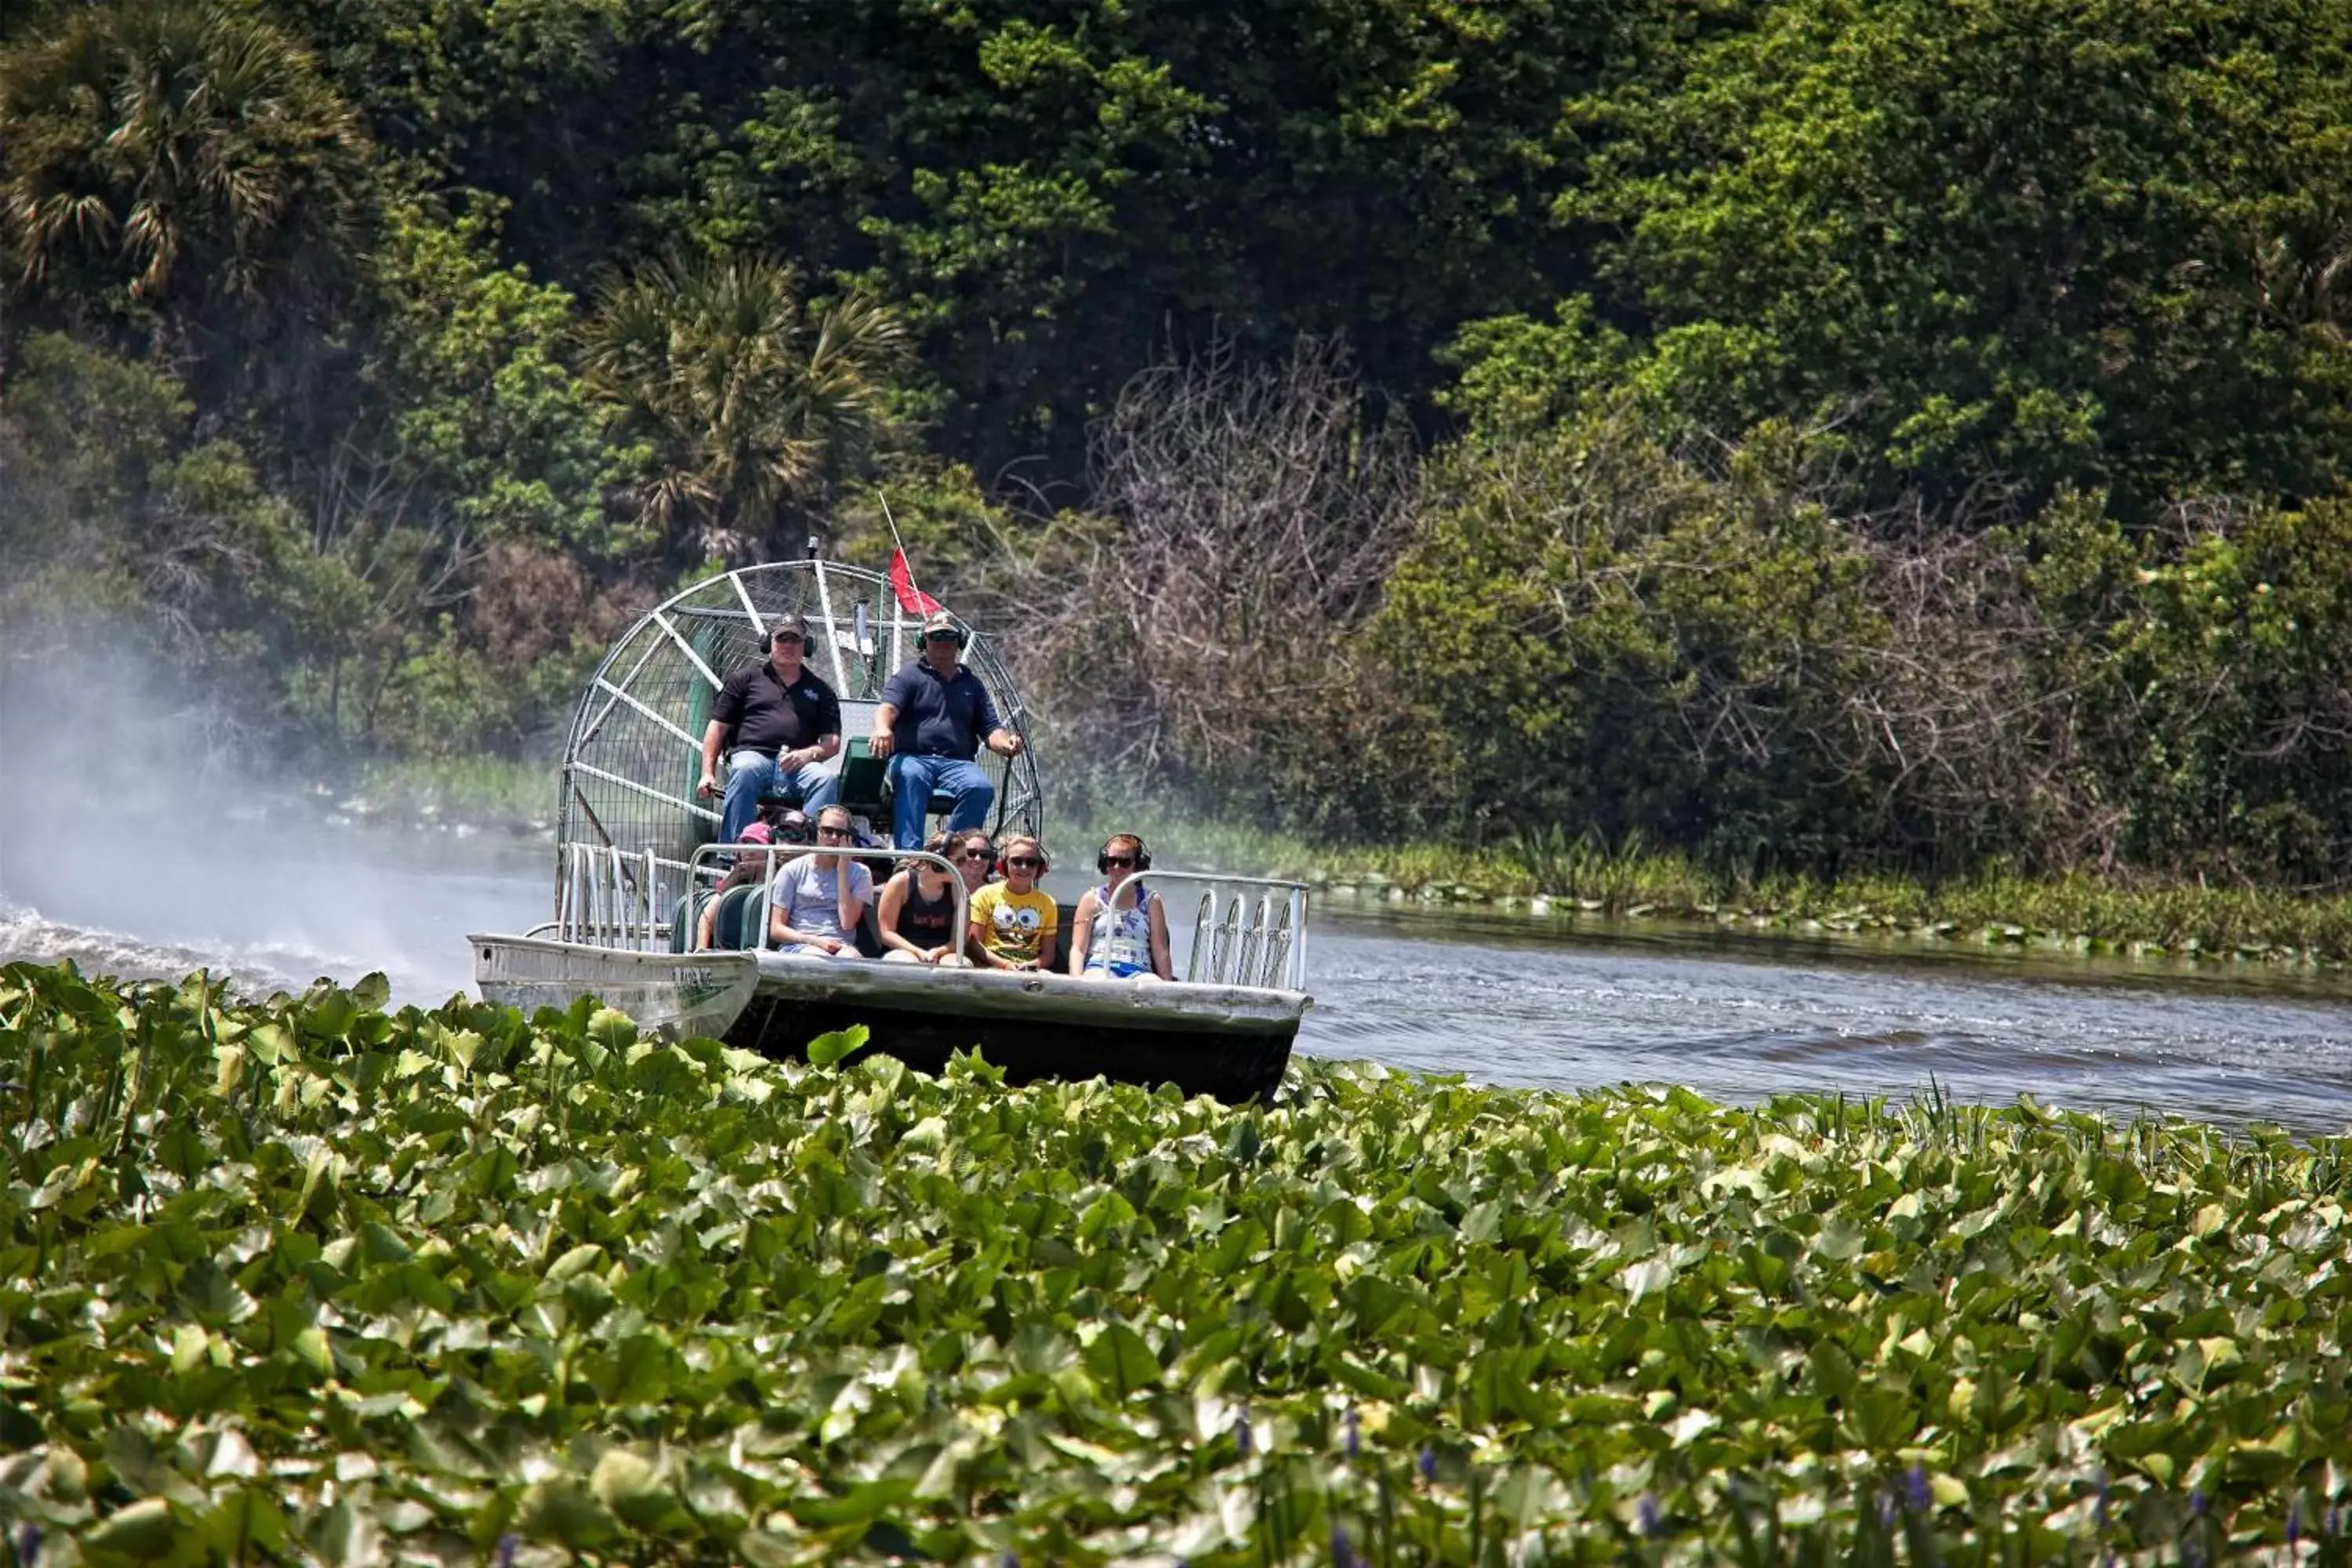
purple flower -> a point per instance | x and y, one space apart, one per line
1241 1434
1352 1433
1429 1464
507 1545
1915 1484
2197 1501
1650 1523
28 1545
1343 1551
2099 1508
1010 1560
2294 1521
1885 1510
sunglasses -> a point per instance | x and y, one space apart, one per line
1025 863
938 637
833 833
792 638
969 855
791 835
1118 859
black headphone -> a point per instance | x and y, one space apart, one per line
1142 854
768 638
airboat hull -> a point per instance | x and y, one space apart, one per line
1230 1041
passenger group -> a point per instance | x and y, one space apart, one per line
780 720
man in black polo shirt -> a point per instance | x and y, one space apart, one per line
783 720
935 714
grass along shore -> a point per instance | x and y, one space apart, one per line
1560 876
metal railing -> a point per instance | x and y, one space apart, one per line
616 900
611 897
1247 931
777 862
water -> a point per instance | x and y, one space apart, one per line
1741 1017
1501 1000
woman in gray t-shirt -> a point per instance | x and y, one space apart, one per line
818 899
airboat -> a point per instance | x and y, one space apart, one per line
636 862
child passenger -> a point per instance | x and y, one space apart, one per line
1012 924
915 913
1119 930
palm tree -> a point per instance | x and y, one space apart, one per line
174 139
748 399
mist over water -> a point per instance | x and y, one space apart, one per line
132 843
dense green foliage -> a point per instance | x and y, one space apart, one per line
1814 436
312 1281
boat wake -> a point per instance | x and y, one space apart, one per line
253 969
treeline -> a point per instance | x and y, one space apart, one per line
1811 433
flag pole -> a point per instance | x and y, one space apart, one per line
899 545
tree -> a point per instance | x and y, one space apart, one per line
748 399
183 152
2017 243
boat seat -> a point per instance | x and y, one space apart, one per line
684 915
869 928
741 924
865 783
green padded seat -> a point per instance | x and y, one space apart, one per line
742 921
866 785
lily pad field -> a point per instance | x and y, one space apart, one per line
310 1280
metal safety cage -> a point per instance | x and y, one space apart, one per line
633 754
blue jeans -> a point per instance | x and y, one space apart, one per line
750 774
914 780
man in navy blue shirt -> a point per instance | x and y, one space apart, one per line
935 716
777 720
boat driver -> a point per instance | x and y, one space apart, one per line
935 716
784 721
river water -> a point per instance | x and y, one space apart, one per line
1500 999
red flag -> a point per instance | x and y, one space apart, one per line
902 583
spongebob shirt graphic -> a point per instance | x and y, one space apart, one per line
1015 927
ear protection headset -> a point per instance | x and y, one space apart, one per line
1142 854
792 624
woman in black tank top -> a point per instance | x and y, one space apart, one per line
916 913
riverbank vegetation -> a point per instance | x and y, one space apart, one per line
305 1279
1551 875
1827 445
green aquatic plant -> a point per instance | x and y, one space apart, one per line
311 1281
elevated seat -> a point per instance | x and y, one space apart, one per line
866 785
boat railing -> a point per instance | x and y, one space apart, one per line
703 864
1245 931
616 897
